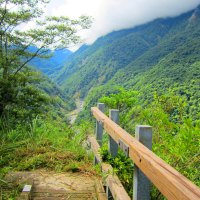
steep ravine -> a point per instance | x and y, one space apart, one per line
72 115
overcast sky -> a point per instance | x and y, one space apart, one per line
110 15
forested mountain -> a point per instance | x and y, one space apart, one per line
51 64
150 73
154 55
59 101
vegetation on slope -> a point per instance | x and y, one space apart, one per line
175 135
33 130
50 65
151 73
171 65
160 88
48 144
125 53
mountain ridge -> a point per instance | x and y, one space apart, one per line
99 62
52 64
153 57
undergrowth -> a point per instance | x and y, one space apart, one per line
122 166
49 145
176 134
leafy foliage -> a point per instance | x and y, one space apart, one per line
15 47
175 136
123 99
20 99
123 167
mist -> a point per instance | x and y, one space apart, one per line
112 15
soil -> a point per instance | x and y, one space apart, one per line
51 185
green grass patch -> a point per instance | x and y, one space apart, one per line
49 145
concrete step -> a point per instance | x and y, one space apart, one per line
65 198
47 185
61 194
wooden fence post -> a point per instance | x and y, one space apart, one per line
99 125
141 184
112 145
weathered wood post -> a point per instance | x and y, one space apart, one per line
141 184
99 129
112 145
99 125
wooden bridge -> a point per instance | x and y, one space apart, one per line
148 168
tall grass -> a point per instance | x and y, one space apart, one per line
42 139
43 144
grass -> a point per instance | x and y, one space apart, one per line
49 145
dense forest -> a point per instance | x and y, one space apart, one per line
151 73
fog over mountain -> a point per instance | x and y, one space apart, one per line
110 15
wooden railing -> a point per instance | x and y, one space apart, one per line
148 166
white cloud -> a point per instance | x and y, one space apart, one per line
110 15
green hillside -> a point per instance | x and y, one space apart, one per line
52 64
150 73
60 102
127 52
159 56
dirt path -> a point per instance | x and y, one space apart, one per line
73 115
51 185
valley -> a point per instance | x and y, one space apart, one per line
73 114
148 73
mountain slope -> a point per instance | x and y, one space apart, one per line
160 56
171 66
98 63
52 65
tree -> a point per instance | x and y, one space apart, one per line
122 100
49 33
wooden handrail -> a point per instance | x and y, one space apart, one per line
170 182
112 181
